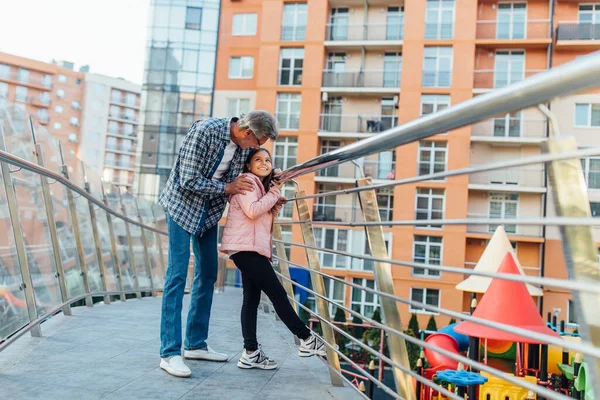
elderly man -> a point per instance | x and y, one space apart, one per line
206 172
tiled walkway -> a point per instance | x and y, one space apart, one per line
111 352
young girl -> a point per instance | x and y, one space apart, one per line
247 239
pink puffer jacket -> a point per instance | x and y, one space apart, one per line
250 218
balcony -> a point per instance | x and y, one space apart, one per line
122 134
526 34
336 212
486 80
40 82
511 130
361 82
379 167
577 36
124 118
370 35
526 180
355 125
511 230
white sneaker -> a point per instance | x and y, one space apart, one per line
258 359
311 346
205 354
175 366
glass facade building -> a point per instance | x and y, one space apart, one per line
178 84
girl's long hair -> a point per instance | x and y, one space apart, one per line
266 181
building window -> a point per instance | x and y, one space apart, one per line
115 111
430 205
73 137
385 201
75 104
595 209
115 96
512 21
427 250
509 67
571 317
241 67
394 29
364 302
78 82
432 103
591 171
47 81
430 297
288 110
503 205
333 239
193 18
23 75
59 109
43 114
60 93
237 107
244 25
338 24
285 150
74 121
437 67
130 99
392 67
21 93
3 90
290 66
57 125
62 78
587 115
439 20
335 291
589 14
432 157
129 114
113 127
4 71
287 212
293 27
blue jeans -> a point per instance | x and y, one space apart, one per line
205 276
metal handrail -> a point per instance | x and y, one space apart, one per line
568 78
21 163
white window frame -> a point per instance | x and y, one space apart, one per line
422 310
129 97
585 163
60 93
439 6
286 142
430 197
240 24
238 106
74 121
320 237
4 71
437 70
589 107
433 150
512 14
595 9
286 236
438 101
246 63
62 78
57 125
76 105
511 56
297 9
22 89
293 54
363 294
503 199
116 96
287 191
287 100
436 274
23 75
330 285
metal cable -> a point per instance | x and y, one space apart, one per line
374 352
582 347
457 357
543 158
553 282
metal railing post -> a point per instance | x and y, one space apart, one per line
385 283
96 235
13 210
138 292
284 268
146 253
76 231
319 287
60 273
581 254
113 248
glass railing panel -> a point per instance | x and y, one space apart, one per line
136 239
153 250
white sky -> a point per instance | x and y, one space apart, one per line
108 35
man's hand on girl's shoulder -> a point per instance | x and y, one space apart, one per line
241 185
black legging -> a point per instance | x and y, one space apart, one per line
257 276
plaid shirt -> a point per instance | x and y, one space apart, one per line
195 201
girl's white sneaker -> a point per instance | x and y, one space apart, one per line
312 346
258 359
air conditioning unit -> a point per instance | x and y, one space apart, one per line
324 96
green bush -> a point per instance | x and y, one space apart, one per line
431 325
340 315
357 330
452 321
413 325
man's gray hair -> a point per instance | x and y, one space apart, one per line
262 123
